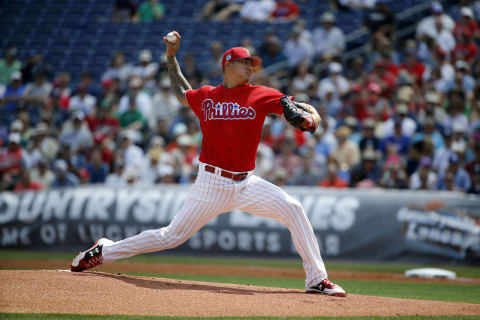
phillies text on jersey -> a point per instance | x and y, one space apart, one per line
231 120
225 111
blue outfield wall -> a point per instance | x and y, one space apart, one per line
381 225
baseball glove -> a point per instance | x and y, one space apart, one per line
297 115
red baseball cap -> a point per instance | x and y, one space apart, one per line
374 87
240 53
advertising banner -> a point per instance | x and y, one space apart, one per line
373 224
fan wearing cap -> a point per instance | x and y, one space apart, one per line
427 28
42 174
231 119
137 99
467 23
346 152
297 48
334 80
147 69
328 40
82 101
165 104
12 156
367 173
63 177
369 139
409 126
17 127
466 48
432 108
455 175
376 106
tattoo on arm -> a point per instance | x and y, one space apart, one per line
179 84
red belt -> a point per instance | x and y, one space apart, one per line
226 174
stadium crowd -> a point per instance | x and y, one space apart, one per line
406 115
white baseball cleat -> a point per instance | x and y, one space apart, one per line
90 258
327 287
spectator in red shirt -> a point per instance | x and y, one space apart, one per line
102 124
285 11
332 180
414 67
376 106
11 157
384 73
357 102
467 24
26 183
465 49
61 92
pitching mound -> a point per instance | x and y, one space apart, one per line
49 291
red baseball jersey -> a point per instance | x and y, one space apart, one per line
231 121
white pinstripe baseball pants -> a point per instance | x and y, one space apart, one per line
212 195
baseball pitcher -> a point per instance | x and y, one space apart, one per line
231 118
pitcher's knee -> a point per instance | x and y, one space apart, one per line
292 210
294 204
171 238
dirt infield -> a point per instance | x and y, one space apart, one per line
54 291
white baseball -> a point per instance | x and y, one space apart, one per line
171 37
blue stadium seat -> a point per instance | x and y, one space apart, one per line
72 29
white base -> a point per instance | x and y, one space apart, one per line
431 273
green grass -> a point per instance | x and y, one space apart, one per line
149 258
462 271
8 316
420 291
